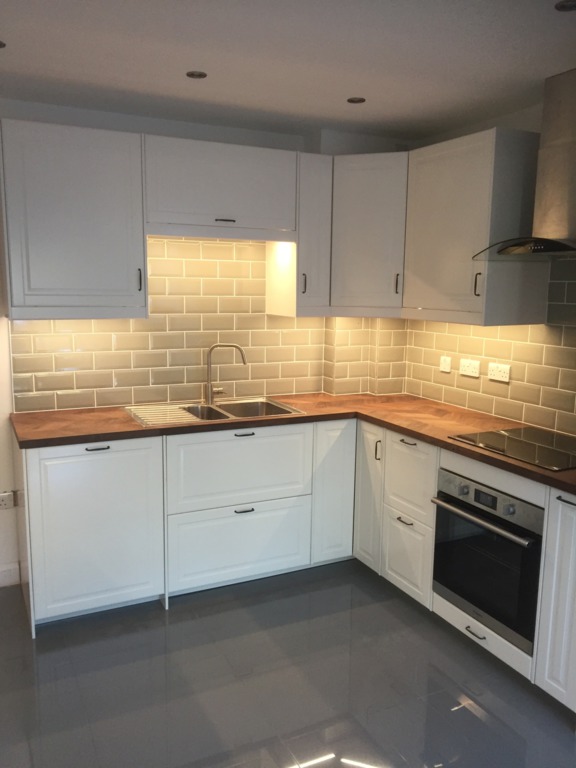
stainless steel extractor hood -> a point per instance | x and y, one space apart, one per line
554 228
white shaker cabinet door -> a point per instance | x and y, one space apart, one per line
368 518
368 225
411 476
74 221
333 489
407 556
96 525
224 186
556 645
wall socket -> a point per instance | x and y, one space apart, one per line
445 364
470 368
498 372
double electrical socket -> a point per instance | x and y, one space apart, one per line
470 368
498 371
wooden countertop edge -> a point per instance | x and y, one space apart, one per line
53 428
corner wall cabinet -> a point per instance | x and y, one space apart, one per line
368 225
219 190
95 525
74 222
556 648
464 195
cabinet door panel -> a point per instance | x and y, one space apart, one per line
74 217
368 496
96 524
236 543
333 500
215 469
556 645
221 185
368 225
411 476
408 553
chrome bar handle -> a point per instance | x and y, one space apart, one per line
520 540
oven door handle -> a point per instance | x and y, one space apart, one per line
520 540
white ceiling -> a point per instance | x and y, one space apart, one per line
424 66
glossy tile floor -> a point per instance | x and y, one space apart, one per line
330 667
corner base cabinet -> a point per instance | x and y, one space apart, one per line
95 525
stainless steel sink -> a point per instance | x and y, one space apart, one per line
167 414
247 409
206 412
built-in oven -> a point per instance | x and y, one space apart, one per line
487 553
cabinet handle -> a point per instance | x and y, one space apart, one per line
304 282
243 511
244 434
228 221
376 444
403 521
478 637
566 501
139 280
407 442
397 282
103 448
476 276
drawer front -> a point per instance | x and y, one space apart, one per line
236 543
411 476
217 469
484 637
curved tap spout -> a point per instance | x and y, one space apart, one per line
209 391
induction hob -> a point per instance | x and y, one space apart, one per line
543 447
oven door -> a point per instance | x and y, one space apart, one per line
488 568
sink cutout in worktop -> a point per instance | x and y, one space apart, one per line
169 414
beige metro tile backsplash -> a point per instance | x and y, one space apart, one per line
207 292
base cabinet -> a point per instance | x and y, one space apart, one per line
556 647
407 555
368 520
237 543
95 521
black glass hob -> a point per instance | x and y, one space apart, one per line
543 447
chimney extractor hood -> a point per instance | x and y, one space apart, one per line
554 227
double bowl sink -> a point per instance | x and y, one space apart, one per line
173 413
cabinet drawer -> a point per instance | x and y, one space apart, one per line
501 648
217 469
411 476
407 556
235 543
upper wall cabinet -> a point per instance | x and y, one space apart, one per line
368 224
210 189
74 222
464 195
298 275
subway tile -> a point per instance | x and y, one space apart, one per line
250 322
218 322
283 354
279 323
232 372
528 353
195 374
509 409
74 361
148 324
444 379
525 393
165 268
50 382
131 341
348 387
258 270
390 387
348 323
201 339
93 379
166 305
414 387
58 342
432 391
423 339
23 383
485 332
250 251
217 287
155 248
561 314
131 378
271 338
184 286
178 249
249 287
239 337
499 389
469 383
383 370
568 380
153 359
258 304
184 392
566 422
498 350
294 370
158 394
455 396
470 346
157 286
558 399
235 269
45 401
73 326
422 372
111 360
541 417
316 336
112 326
308 352
432 357
21 345
174 340
514 332
545 334
433 326
341 371
234 304
562 357
310 384
200 268
569 337
200 304
85 398
93 342
185 357
167 376
250 389
264 371
447 343
542 375
111 397
358 369
348 354
397 370
31 327
480 402
218 251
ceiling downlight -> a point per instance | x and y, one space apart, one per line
196 74
565 5
356 100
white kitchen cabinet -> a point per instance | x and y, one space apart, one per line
556 643
368 225
224 189
74 222
234 466
411 476
464 195
368 519
333 489
237 543
298 274
95 518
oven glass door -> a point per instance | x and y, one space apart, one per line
490 576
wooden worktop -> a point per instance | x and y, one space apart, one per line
428 420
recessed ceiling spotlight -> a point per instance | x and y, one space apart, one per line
565 5
2 44
196 74
356 100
